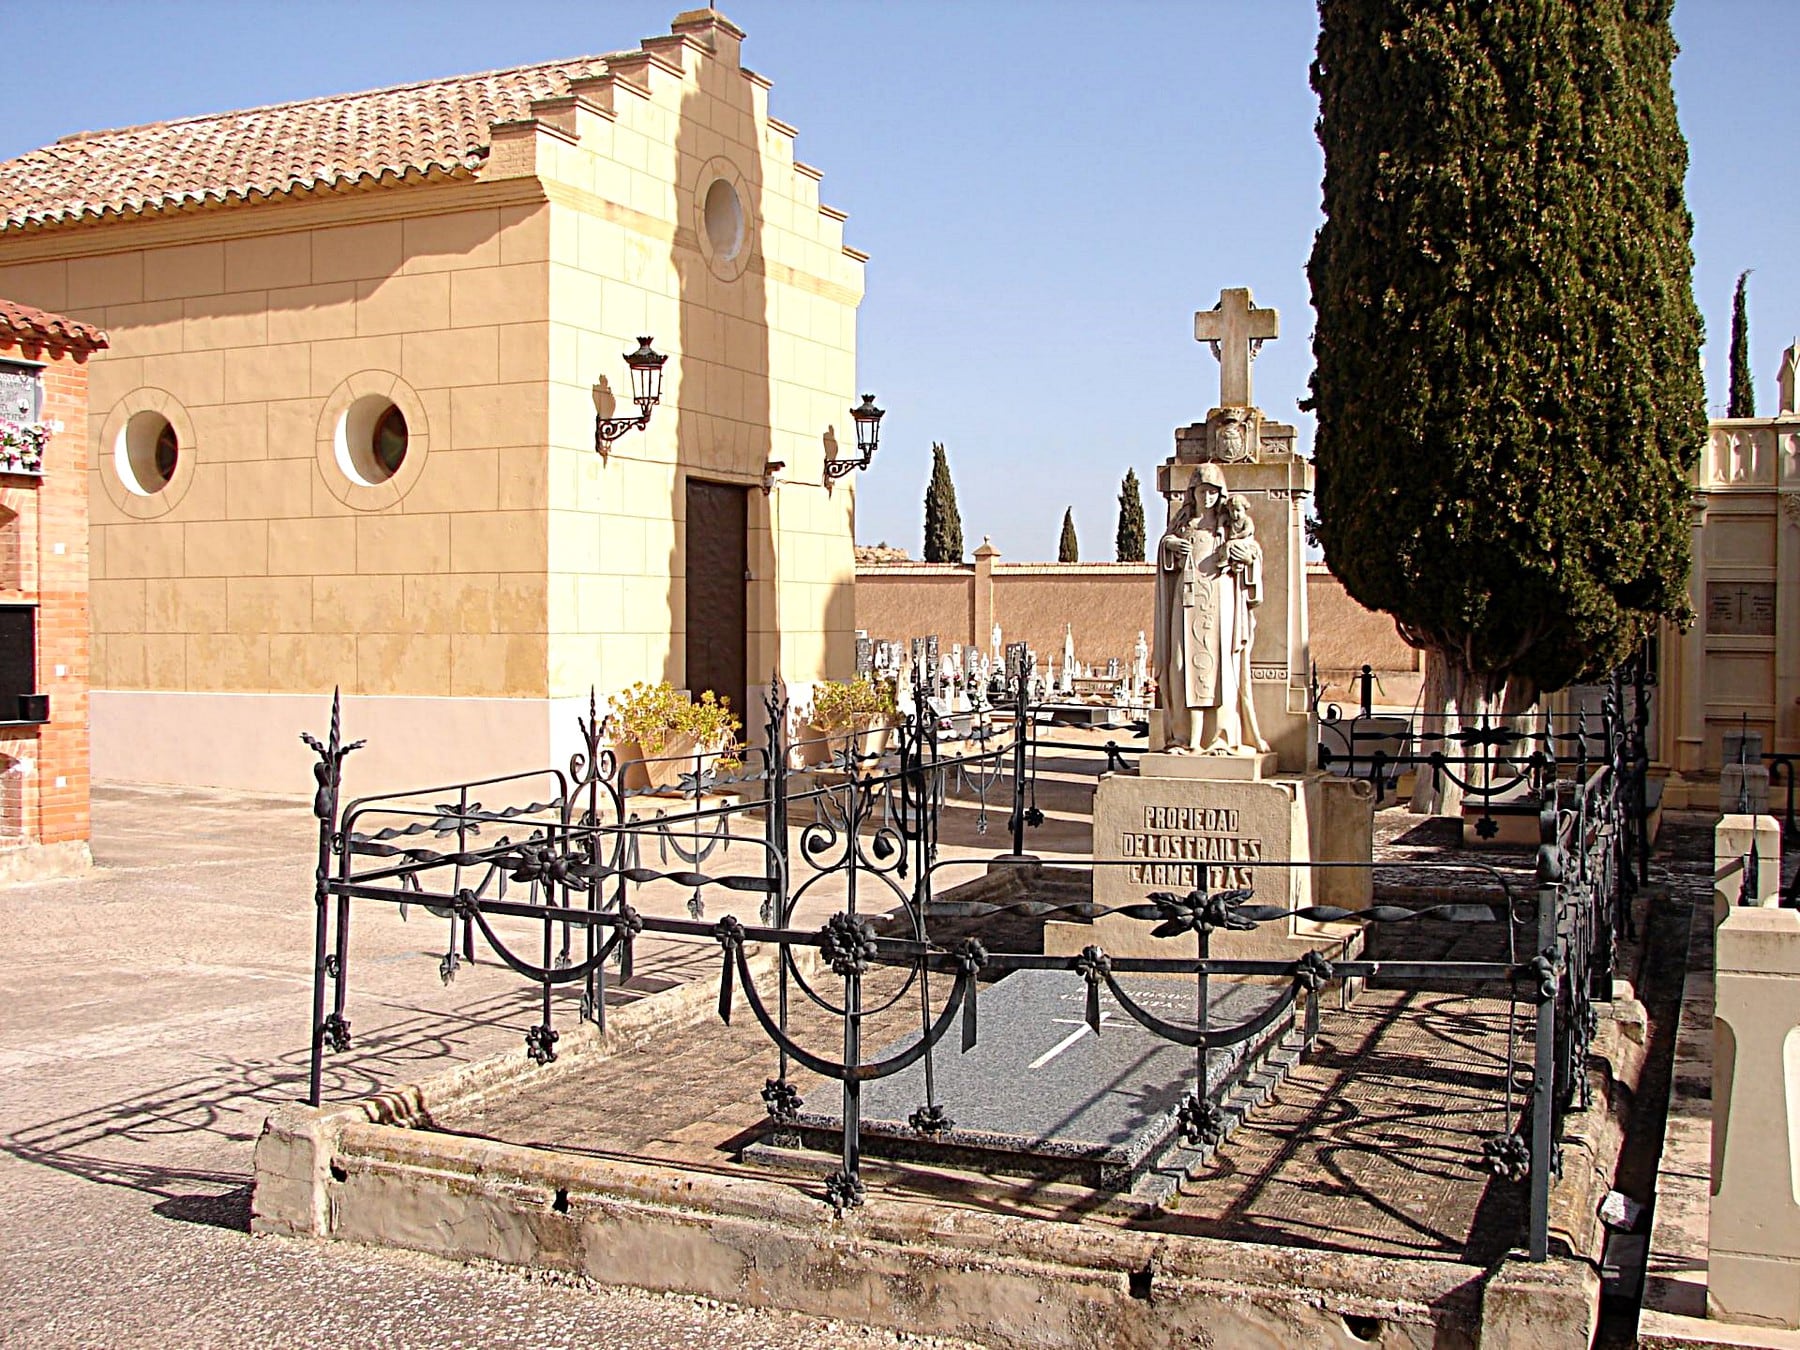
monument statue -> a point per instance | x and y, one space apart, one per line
1208 585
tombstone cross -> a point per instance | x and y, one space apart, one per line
1235 328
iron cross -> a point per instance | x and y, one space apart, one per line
1236 328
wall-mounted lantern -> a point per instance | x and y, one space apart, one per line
646 391
868 436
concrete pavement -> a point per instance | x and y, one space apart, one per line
150 1014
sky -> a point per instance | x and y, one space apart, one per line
1047 192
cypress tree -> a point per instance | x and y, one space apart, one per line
1507 376
943 523
1130 541
1743 387
1067 550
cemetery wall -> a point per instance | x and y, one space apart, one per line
1107 604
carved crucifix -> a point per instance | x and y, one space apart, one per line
1235 328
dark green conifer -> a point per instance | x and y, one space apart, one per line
1743 387
1129 545
943 523
1507 374
1067 550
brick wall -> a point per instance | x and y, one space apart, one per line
48 783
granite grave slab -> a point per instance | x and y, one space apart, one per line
1042 1095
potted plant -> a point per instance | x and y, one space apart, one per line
857 715
662 734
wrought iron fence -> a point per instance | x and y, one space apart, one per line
567 863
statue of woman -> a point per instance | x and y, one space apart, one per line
1208 580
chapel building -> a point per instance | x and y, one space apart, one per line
345 434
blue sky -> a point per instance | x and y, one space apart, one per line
1048 191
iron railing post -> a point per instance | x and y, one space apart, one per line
1543 1087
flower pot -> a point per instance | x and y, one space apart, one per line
867 736
661 771
34 707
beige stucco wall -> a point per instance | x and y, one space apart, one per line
762 367
506 560
261 566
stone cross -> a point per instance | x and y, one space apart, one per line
1236 328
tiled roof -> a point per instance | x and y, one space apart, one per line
37 327
434 127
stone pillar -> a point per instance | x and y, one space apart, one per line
1690 744
1732 840
1787 591
1753 1236
984 594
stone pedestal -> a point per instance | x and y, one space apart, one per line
1735 838
1753 1262
1217 827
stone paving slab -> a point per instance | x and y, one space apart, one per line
152 1013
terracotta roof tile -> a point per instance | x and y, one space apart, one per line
37 327
433 127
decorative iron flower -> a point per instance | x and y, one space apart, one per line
971 956
844 1191
1202 1122
1200 912
335 1033
930 1120
782 1100
848 944
1507 1156
1093 964
1313 972
540 1044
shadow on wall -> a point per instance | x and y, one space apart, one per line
723 574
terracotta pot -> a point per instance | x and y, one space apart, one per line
661 772
868 736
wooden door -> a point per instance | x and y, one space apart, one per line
718 560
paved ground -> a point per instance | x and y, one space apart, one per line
149 1016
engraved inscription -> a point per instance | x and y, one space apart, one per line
1740 608
1190 847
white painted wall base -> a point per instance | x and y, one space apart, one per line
252 741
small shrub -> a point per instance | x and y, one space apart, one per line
651 714
838 704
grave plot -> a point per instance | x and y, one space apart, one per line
863 1052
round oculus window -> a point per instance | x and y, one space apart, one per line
724 216
371 440
146 453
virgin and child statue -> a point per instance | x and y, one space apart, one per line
1208 585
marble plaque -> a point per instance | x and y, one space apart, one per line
1740 608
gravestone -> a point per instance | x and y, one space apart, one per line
1250 818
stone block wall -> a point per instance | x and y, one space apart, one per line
262 566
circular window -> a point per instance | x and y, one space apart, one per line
371 440
724 220
146 453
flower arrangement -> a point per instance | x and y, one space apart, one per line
22 445
659 720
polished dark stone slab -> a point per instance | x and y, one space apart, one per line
1042 1094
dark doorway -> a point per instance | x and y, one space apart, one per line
718 559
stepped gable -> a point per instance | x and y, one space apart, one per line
433 127
28 327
